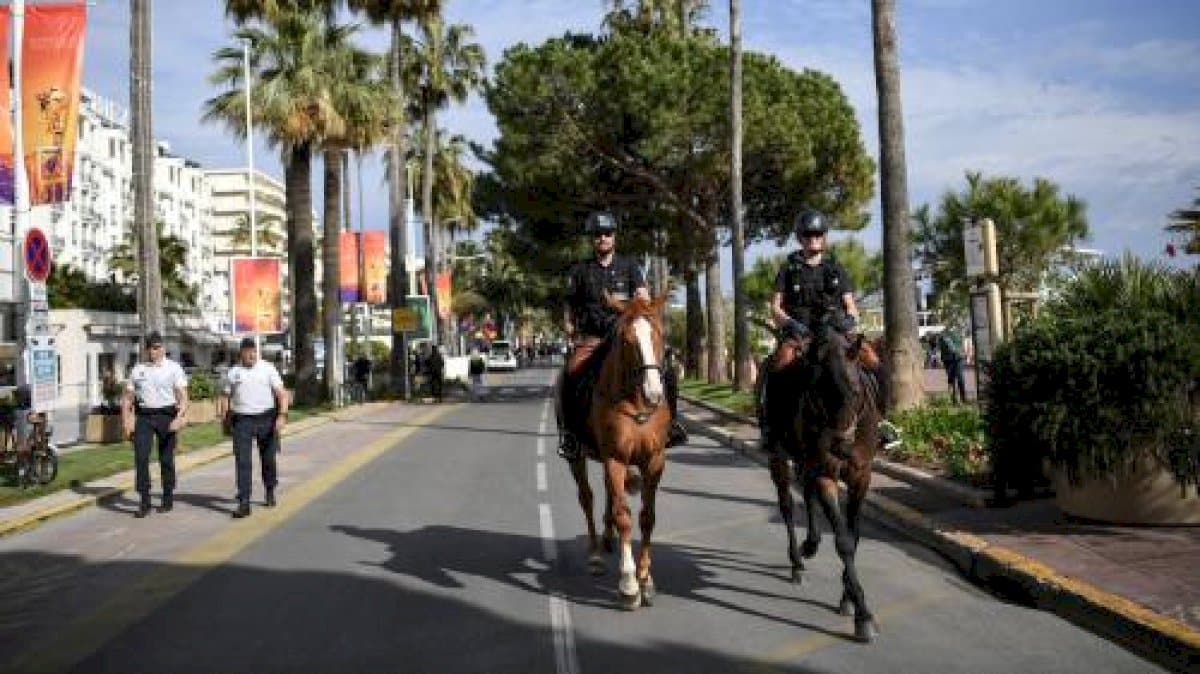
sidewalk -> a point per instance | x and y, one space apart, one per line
1137 586
21 516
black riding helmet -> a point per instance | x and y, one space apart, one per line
600 221
811 222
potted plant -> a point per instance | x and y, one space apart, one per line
1102 389
104 421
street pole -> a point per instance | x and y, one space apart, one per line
250 182
21 212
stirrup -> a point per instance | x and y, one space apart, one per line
569 447
677 434
889 435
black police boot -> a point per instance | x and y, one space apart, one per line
270 500
677 435
143 507
168 502
243 510
569 447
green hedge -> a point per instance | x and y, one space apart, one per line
945 436
1107 372
202 386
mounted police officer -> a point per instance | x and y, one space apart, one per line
813 293
589 322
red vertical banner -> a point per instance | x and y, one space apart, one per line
348 267
375 267
444 296
53 65
6 130
257 295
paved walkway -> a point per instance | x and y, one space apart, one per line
1154 568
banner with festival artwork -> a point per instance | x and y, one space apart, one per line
348 279
444 296
257 306
53 63
6 130
375 276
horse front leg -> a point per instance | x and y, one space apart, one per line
865 628
808 486
615 472
595 561
651 475
857 493
781 476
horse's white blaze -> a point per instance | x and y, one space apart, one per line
628 585
652 385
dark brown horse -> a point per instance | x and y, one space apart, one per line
627 426
833 437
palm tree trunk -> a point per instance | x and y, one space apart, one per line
695 360
431 237
397 215
741 327
331 304
300 245
900 311
150 300
716 315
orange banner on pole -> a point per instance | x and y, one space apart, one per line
6 130
256 295
375 265
443 294
348 267
53 65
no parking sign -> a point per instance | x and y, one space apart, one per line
37 256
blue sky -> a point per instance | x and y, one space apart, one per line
1102 96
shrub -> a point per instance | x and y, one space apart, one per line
1106 374
201 386
946 436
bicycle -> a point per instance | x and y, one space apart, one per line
36 461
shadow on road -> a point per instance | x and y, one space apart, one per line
240 619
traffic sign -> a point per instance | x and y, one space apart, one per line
43 373
37 256
405 319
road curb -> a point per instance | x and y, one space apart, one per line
1156 637
187 462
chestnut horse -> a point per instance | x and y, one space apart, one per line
627 425
833 437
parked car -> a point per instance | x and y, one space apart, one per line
501 357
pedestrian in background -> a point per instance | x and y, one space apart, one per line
950 347
155 407
255 403
437 369
476 366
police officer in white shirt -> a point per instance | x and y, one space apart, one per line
155 406
255 404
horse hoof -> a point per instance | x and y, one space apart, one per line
596 565
865 630
846 607
648 591
630 602
797 576
809 549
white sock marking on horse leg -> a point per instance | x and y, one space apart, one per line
629 584
653 385
546 520
541 476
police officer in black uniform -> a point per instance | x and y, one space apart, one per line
813 292
589 322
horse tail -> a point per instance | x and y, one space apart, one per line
633 481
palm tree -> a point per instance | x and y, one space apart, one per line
395 13
150 292
450 68
453 207
268 237
177 293
900 310
741 328
1186 221
294 56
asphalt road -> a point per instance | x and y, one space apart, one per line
449 540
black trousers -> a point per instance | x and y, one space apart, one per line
152 425
248 429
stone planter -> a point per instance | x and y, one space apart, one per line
103 428
1149 495
202 411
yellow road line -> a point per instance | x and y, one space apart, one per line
76 641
